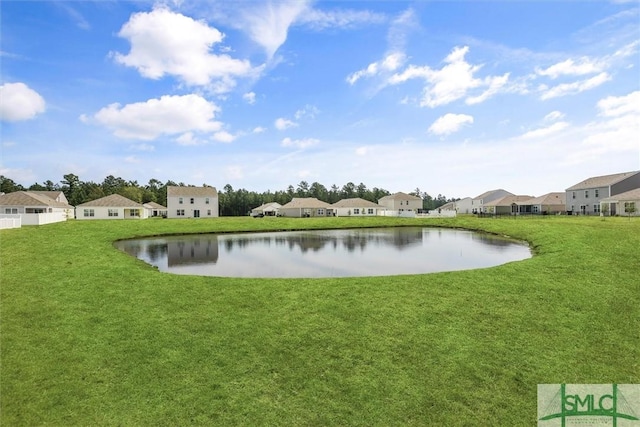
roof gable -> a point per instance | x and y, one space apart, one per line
602 181
305 202
175 191
400 196
355 202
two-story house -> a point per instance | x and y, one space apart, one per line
478 202
401 202
584 197
192 202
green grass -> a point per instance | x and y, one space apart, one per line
91 336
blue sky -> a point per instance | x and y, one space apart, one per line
452 97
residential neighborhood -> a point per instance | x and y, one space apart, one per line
607 195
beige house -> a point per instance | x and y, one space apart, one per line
584 197
192 202
621 203
548 204
462 206
356 207
401 202
506 205
113 206
267 209
478 202
155 209
301 207
35 208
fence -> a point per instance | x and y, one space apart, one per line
10 221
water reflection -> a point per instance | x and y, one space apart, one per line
327 253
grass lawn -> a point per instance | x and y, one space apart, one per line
92 336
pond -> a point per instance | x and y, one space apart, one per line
327 253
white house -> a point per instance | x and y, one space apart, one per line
155 209
114 206
627 203
462 206
356 207
192 202
478 202
401 202
34 208
303 207
267 209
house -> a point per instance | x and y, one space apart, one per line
300 207
584 197
35 208
113 206
507 205
356 207
56 195
462 206
155 209
548 204
192 202
401 202
478 202
622 204
266 209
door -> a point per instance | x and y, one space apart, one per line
196 213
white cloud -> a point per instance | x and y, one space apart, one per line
362 151
545 131
307 112
553 116
250 97
389 63
224 136
575 87
259 129
19 102
453 81
168 115
570 67
164 42
282 123
339 18
268 22
450 123
132 159
620 105
299 143
188 138
143 147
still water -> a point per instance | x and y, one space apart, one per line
326 253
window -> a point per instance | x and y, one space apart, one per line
180 200
89 213
534 209
113 212
596 191
180 212
192 200
134 212
596 208
11 210
206 200
208 212
400 202
320 212
356 211
370 211
573 195
629 206
586 194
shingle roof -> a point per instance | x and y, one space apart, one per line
548 199
111 201
399 196
28 198
488 193
601 181
355 202
154 205
270 206
630 195
509 200
50 194
173 191
305 202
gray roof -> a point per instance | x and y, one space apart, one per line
400 196
111 201
268 206
154 205
355 202
631 195
509 200
305 203
548 199
601 181
488 193
54 194
173 191
29 198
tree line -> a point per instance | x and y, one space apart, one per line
231 202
